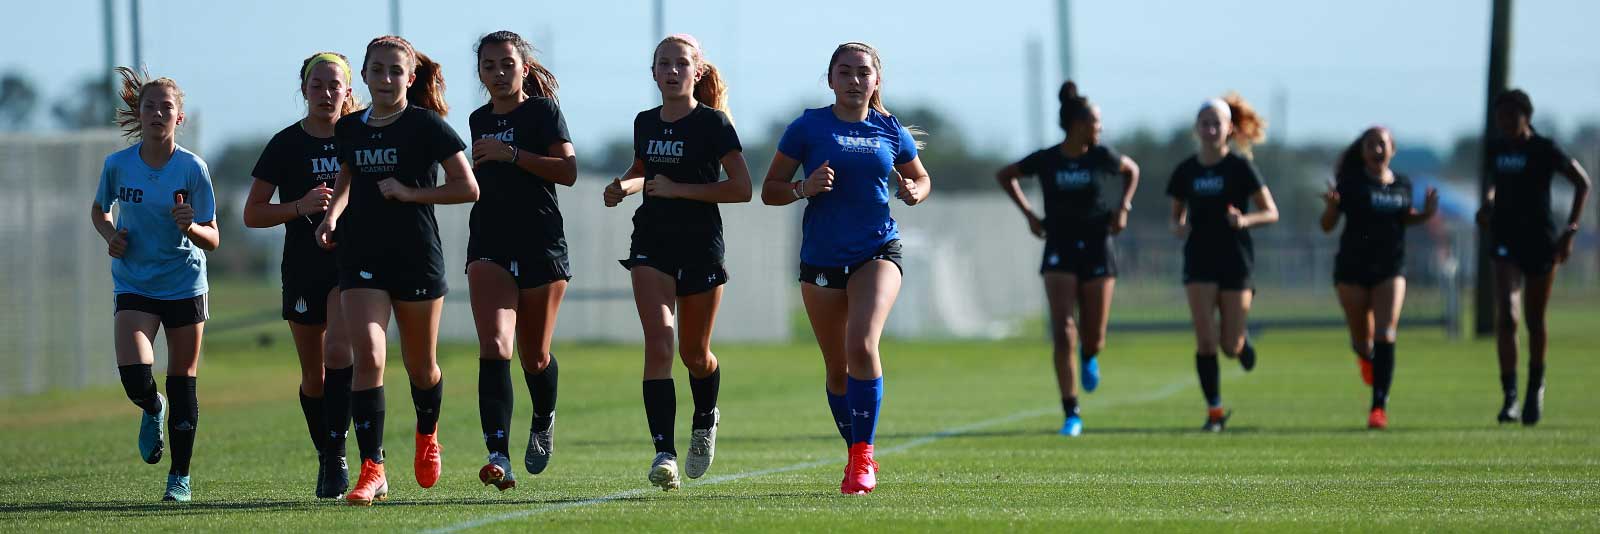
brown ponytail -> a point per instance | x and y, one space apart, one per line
1249 127
134 84
428 91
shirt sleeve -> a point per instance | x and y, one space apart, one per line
1250 177
726 138
202 198
1030 164
444 140
269 167
793 143
906 149
551 126
106 194
1112 160
1175 184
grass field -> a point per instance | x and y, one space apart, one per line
966 443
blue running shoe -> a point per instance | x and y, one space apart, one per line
1089 374
1073 427
152 428
177 488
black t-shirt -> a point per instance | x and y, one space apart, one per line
296 162
1075 189
688 151
1522 171
1208 192
517 215
373 228
1374 227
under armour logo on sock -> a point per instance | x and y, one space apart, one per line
841 425
336 435
184 426
496 434
660 437
363 425
863 413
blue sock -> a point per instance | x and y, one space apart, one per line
864 397
841 415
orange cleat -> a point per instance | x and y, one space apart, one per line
371 486
861 473
427 463
1378 419
1366 370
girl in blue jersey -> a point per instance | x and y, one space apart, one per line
856 155
681 150
166 218
300 163
1080 263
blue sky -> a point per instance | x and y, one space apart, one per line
1417 66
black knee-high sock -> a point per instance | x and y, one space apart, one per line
1069 405
1535 377
427 403
1382 373
494 404
705 397
181 422
1205 365
336 407
660 408
367 410
542 388
1508 386
316 421
140 386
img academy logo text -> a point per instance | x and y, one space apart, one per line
663 151
377 159
853 142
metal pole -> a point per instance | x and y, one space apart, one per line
109 93
138 52
1064 39
1499 81
658 26
394 17
1032 94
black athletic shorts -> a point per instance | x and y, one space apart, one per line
1087 257
173 313
839 277
1364 273
1227 275
530 274
1535 254
305 301
403 281
691 278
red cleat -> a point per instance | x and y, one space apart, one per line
1366 370
1377 420
427 462
861 474
371 486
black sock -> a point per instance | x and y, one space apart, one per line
427 403
316 421
660 407
542 388
336 406
1210 378
1069 405
1508 386
494 404
181 421
140 386
1535 377
366 408
705 397
1382 373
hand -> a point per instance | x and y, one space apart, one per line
908 190
1036 226
1330 198
614 193
117 245
1235 218
183 216
324 233
1119 220
1483 214
392 189
1564 245
490 149
316 200
662 187
1430 201
820 181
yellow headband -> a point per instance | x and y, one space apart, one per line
326 57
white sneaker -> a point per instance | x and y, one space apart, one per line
702 447
664 472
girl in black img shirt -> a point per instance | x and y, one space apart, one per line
517 269
382 227
1080 265
1368 272
1526 243
676 256
301 164
1211 196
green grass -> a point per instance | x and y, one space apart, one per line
967 444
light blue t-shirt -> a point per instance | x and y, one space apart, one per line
160 262
849 224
